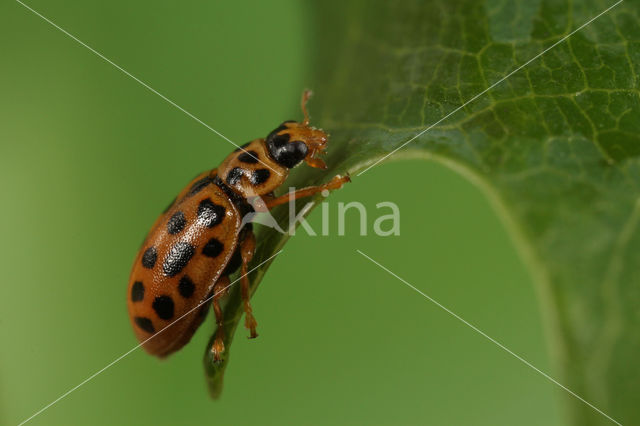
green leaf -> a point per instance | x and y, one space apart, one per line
555 147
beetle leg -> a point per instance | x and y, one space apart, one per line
335 183
219 290
247 249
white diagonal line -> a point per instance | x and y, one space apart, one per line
492 86
491 339
139 345
142 83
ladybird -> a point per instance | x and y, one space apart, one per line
200 239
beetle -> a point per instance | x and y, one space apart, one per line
200 239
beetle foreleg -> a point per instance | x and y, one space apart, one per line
335 183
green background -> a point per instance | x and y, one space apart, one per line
89 158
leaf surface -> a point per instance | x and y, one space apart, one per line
555 146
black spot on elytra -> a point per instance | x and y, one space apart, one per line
176 223
210 214
186 287
213 248
177 258
234 175
163 305
199 185
250 157
259 176
145 324
137 291
149 257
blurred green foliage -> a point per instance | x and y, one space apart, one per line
555 147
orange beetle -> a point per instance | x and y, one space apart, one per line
199 240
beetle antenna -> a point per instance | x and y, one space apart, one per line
305 98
